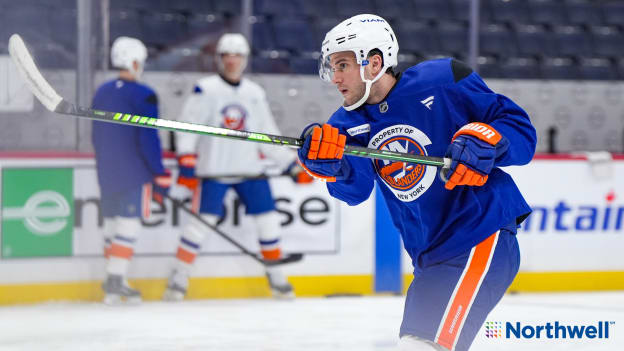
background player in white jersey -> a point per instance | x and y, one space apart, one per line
129 164
231 101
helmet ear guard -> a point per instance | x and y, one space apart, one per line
360 34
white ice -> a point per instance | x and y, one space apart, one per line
305 324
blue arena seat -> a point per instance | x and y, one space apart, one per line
489 67
125 23
534 39
416 38
192 7
512 11
453 38
294 35
597 68
304 65
319 9
262 37
608 41
613 13
275 8
461 11
520 68
497 39
436 10
572 41
162 29
549 12
584 12
270 65
199 24
558 68
348 8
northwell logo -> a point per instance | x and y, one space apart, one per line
550 330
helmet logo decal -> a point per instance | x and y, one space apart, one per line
407 181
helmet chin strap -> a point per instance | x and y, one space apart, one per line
360 102
369 84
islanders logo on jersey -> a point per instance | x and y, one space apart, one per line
233 117
407 181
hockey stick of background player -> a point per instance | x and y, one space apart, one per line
55 103
288 258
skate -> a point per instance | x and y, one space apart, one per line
117 291
280 287
177 284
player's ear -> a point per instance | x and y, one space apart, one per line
377 63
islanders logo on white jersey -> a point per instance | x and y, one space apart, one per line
234 116
407 181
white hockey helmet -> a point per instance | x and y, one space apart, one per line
232 43
125 51
360 34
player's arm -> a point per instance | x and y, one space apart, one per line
149 142
348 178
493 132
193 111
151 151
510 121
284 158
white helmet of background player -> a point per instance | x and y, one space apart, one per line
232 43
360 34
125 51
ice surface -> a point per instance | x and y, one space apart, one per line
305 324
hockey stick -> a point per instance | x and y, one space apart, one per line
55 103
288 258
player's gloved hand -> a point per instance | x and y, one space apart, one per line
321 154
473 150
160 186
298 174
186 177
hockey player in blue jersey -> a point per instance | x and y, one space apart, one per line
459 229
129 165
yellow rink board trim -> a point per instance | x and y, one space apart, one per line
558 281
200 288
305 286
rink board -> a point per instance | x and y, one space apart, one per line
572 242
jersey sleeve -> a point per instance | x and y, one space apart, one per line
281 155
186 143
149 142
474 100
359 185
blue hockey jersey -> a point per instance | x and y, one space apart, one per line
420 114
126 156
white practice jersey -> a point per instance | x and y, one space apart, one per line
217 103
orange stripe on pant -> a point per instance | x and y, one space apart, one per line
146 200
185 255
117 250
274 254
465 292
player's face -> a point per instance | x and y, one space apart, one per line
232 64
346 76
